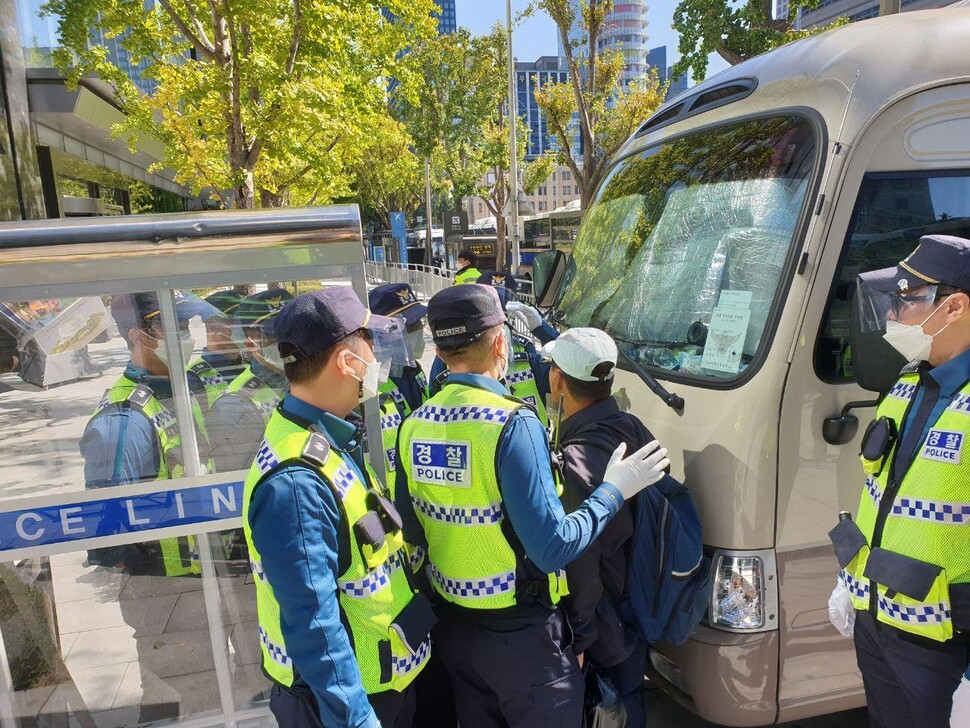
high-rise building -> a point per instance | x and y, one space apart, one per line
447 20
657 58
529 77
829 10
624 29
781 10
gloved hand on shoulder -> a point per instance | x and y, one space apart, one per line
640 470
525 314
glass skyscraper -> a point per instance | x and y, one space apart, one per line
447 21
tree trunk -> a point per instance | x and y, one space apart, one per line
246 192
272 199
500 238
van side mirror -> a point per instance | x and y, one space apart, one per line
551 273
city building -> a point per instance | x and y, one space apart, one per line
781 10
657 58
447 20
530 77
67 162
829 10
624 29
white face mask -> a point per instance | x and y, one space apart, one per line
507 359
371 381
910 340
271 357
185 341
416 340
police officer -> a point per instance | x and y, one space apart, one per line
221 361
407 388
906 557
475 484
467 272
343 636
237 419
528 376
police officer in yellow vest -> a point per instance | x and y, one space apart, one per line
906 556
342 632
221 360
467 272
475 484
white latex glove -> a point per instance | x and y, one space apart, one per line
841 611
960 715
642 469
524 313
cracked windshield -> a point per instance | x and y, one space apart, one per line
681 255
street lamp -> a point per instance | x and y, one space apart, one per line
514 165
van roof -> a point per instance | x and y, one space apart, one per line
877 61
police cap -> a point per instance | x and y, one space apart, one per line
134 310
260 309
397 299
464 311
938 260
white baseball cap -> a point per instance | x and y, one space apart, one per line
579 351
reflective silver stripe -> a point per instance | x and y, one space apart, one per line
374 582
902 390
276 652
961 403
857 588
872 488
417 557
523 375
488 586
401 666
475 516
920 509
389 422
462 413
343 478
266 458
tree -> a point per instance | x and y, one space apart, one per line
607 114
257 96
456 112
734 31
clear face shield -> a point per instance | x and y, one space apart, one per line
392 348
907 306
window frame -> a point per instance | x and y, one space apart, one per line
797 245
847 242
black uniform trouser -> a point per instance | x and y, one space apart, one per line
907 683
520 674
627 679
296 707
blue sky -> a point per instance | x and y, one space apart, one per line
537 37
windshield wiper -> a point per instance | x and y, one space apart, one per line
674 401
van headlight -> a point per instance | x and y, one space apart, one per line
744 596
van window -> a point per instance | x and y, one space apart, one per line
892 213
682 253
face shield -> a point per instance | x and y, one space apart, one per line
908 305
392 349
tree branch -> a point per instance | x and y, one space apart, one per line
297 33
207 50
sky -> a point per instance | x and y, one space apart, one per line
537 36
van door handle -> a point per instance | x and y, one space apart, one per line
841 429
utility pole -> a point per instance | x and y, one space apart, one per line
889 7
513 225
429 242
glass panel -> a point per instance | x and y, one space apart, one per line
682 252
892 213
119 646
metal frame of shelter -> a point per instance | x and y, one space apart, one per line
96 257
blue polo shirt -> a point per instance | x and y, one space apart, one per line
549 537
938 387
296 521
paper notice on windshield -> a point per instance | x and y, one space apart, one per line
735 299
725 339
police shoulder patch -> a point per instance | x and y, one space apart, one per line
317 449
945 446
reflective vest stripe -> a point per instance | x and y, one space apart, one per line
872 488
461 516
902 390
257 567
914 614
961 403
857 588
266 458
374 582
390 421
462 413
417 557
934 511
275 651
490 586
523 375
401 666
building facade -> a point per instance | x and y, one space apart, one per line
657 58
829 10
447 20
625 30
530 77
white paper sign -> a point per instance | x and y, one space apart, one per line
735 299
725 339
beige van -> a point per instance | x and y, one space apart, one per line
721 253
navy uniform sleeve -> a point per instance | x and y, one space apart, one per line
545 333
235 429
437 366
540 371
295 523
551 539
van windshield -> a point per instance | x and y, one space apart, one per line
681 254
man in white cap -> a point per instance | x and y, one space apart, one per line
591 428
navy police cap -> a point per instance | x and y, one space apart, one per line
397 299
315 321
464 311
938 260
